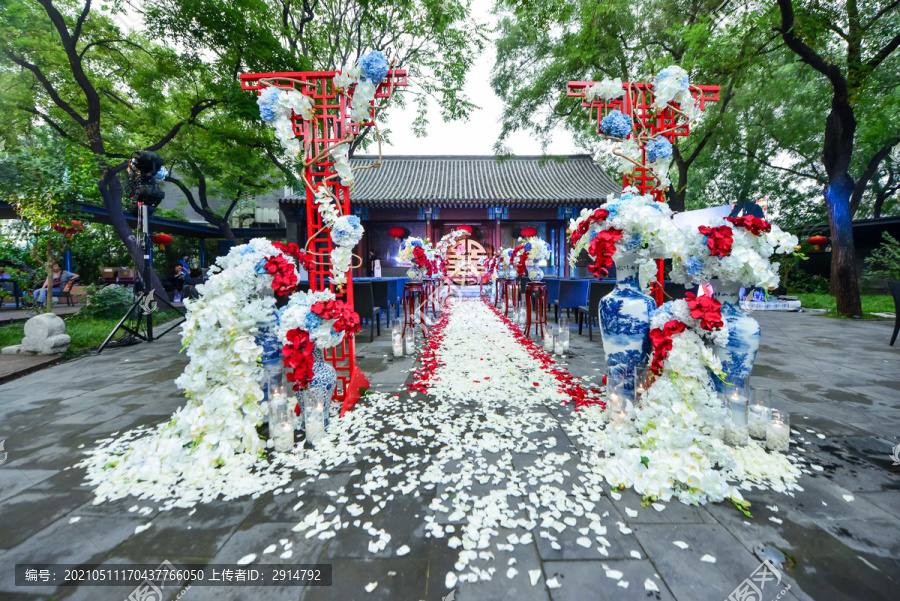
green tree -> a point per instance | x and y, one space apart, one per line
852 46
42 181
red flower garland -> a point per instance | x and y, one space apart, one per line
346 319
720 239
602 248
518 258
298 357
755 225
292 250
707 309
661 339
582 228
284 276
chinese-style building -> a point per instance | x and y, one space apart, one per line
429 196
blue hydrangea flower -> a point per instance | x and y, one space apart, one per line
347 230
613 209
694 267
416 243
658 148
615 125
312 321
633 243
260 267
527 246
266 112
374 65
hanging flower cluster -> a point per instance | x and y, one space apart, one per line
601 250
346 232
616 125
312 319
605 90
304 259
277 106
449 241
657 149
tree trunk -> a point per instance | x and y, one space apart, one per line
111 190
844 285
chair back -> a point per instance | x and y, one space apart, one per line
363 299
599 289
894 287
552 289
573 293
381 291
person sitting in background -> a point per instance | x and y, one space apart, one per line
62 280
179 280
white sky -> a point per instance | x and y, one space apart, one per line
480 132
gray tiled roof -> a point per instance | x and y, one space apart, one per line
480 181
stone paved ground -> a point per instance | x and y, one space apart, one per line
838 379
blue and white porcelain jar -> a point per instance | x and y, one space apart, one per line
271 357
316 398
414 274
739 354
625 321
535 273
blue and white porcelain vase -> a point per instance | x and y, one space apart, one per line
414 274
739 354
535 273
271 357
625 321
315 399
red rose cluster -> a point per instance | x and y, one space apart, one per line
518 258
719 241
661 339
346 319
755 225
284 276
298 358
581 230
292 250
422 262
707 309
602 248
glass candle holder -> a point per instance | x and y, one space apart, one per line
778 431
564 333
314 414
760 399
281 421
738 432
643 377
720 417
548 342
397 337
410 341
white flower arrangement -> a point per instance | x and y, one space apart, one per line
407 246
210 447
276 105
606 89
449 241
539 250
748 263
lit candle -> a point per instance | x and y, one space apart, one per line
778 432
397 343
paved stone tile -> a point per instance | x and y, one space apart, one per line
620 545
588 580
197 536
397 579
29 512
13 481
87 541
674 512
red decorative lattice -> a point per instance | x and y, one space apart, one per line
637 102
330 125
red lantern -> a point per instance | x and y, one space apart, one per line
466 228
528 232
161 239
396 232
818 242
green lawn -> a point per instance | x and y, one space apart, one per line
871 303
86 333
